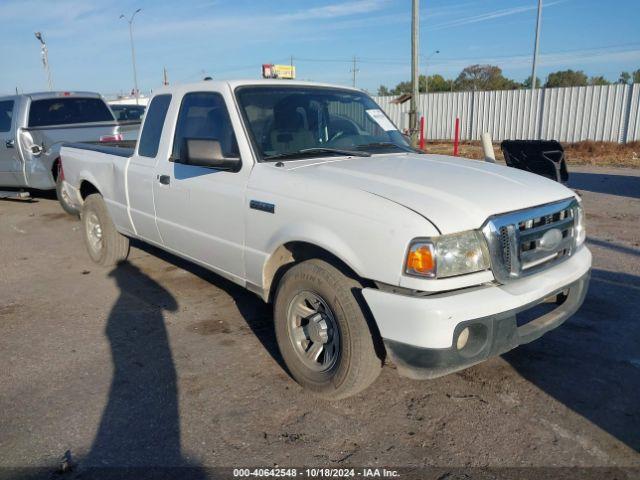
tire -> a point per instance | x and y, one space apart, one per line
106 246
63 198
340 370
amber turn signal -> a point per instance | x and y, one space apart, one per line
420 259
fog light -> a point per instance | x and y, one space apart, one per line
463 338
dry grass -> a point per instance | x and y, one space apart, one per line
580 153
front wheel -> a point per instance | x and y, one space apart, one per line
322 332
106 246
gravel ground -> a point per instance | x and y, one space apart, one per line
162 363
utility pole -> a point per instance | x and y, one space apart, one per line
45 59
133 54
415 71
535 46
165 79
354 71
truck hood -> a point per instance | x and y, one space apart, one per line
454 194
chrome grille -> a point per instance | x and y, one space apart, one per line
527 241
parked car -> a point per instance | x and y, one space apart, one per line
309 196
124 112
34 126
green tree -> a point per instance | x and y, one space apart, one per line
599 80
527 82
402 88
437 83
636 76
383 91
624 78
567 78
484 77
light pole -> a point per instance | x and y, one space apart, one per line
426 85
415 71
535 46
133 53
426 69
45 59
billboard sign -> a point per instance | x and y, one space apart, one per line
270 70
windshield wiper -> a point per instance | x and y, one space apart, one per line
316 150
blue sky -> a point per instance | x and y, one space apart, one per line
89 45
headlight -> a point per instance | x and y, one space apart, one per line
448 255
580 232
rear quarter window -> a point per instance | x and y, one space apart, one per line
68 111
152 129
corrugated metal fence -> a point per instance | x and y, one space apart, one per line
603 113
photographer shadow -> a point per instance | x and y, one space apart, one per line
140 425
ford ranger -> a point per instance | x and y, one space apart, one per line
309 196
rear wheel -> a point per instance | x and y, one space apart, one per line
322 332
64 199
106 246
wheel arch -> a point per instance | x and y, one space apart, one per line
55 168
293 252
87 188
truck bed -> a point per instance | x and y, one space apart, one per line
103 166
124 148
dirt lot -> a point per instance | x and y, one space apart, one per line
163 363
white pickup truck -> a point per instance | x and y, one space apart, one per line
309 196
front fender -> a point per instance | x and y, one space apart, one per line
319 236
373 246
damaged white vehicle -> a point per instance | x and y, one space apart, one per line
34 126
309 196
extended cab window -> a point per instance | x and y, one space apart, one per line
150 137
6 113
68 110
204 115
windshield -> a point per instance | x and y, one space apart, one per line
128 112
300 122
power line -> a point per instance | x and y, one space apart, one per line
400 61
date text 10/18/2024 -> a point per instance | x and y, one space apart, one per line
314 473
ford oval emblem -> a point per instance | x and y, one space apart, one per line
551 239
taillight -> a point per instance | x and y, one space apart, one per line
111 138
60 170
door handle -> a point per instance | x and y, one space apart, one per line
10 143
164 179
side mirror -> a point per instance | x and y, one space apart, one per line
206 153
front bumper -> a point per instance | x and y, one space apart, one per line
421 333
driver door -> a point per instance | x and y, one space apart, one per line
200 211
